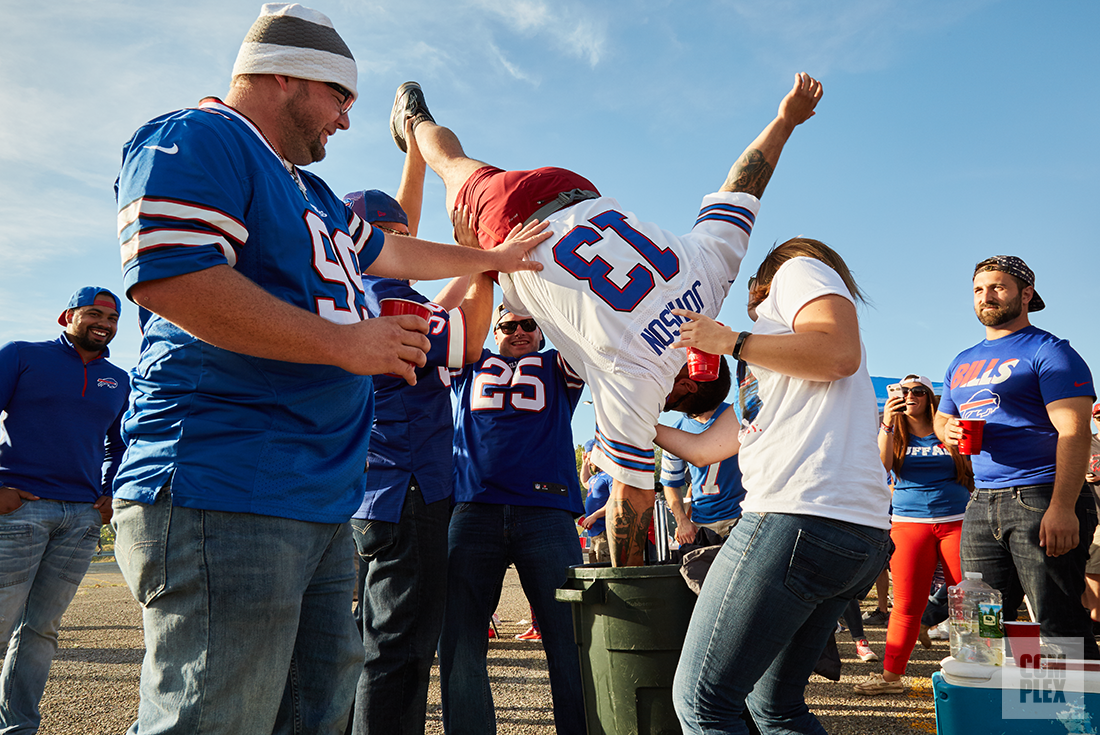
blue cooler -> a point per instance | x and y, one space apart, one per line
1063 697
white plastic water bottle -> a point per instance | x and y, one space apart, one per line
977 632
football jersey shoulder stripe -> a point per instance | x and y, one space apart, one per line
731 208
155 239
733 220
456 334
179 210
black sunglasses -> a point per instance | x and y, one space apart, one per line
346 102
916 390
510 327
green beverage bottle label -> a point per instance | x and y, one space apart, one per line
989 620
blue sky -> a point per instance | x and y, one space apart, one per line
949 131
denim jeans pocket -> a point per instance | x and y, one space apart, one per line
373 537
77 564
820 569
141 544
16 553
1034 499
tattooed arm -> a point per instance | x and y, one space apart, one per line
753 170
628 523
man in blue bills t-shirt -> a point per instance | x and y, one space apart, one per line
1027 529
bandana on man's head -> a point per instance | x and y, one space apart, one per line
1013 266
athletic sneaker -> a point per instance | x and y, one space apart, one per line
863 650
939 632
874 685
876 617
531 634
407 104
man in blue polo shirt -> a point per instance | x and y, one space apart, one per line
1027 528
64 405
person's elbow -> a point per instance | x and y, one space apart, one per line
841 364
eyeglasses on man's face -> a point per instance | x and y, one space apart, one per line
347 101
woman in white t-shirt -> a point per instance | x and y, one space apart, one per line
815 529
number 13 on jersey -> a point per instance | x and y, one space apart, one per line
639 277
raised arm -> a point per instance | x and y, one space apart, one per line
754 168
410 192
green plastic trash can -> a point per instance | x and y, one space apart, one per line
629 623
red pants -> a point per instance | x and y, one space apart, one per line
917 548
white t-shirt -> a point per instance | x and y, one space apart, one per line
810 447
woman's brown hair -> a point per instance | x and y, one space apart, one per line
799 247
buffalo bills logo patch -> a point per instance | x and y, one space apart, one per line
981 404
107 383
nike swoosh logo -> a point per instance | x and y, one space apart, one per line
1078 385
170 151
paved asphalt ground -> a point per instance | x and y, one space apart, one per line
93 686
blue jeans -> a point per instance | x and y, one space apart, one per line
403 568
483 540
248 625
1001 540
45 549
765 612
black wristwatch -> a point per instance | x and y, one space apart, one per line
739 344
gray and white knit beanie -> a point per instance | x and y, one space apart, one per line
299 42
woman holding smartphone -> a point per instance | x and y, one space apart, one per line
930 495
815 528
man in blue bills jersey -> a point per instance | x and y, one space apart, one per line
516 495
400 530
716 490
611 280
251 413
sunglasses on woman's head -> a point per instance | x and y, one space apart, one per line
510 327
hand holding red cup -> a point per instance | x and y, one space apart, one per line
970 441
399 307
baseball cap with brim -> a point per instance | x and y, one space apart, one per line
373 205
914 378
592 442
1096 410
1013 266
86 297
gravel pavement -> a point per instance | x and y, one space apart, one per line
93 686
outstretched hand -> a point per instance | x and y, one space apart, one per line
511 254
798 106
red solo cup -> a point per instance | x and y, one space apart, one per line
1023 638
397 307
971 440
703 366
